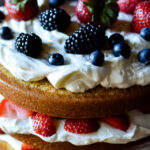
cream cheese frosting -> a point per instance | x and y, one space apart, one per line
77 75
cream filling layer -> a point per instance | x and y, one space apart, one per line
77 74
139 128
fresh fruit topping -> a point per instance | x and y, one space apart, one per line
28 44
121 49
55 3
6 33
97 58
56 59
86 40
1 132
104 12
145 109
22 9
27 147
115 38
145 33
43 125
2 16
141 17
83 126
128 6
10 110
120 122
54 19
144 56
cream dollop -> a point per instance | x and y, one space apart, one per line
77 74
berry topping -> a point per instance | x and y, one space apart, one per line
56 59
145 33
54 19
121 49
21 9
144 56
141 17
43 125
86 40
26 147
55 3
83 126
145 109
97 58
10 110
29 44
1 132
2 16
128 6
6 33
120 122
103 12
115 38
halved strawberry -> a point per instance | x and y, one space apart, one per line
10 110
27 147
81 126
120 122
43 125
22 9
1 132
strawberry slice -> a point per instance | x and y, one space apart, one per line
43 125
10 110
82 126
27 147
120 122
22 9
1 132
145 109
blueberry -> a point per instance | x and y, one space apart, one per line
144 56
97 58
56 3
2 16
56 59
115 38
6 33
121 49
145 33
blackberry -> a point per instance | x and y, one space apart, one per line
87 39
29 44
53 19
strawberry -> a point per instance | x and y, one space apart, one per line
22 9
26 147
145 109
141 17
1 132
103 12
10 110
128 6
83 126
43 125
120 122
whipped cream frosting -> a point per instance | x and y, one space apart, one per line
77 75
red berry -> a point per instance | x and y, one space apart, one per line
1 132
26 147
120 122
43 125
128 6
83 126
10 110
29 11
141 17
82 12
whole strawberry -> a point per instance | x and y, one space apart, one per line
22 9
83 126
141 17
128 6
103 12
43 125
